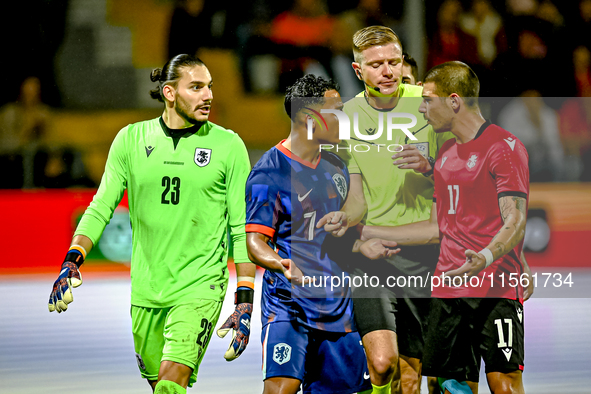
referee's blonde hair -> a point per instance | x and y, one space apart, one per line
372 36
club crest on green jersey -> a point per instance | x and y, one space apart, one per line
202 156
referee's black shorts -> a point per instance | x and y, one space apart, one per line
403 310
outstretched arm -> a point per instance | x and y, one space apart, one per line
514 214
376 248
425 232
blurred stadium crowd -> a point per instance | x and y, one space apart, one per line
533 58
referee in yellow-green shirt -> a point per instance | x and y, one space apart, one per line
390 318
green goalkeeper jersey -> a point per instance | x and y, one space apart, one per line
186 192
394 196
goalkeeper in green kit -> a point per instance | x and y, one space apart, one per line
185 178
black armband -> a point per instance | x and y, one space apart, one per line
243 295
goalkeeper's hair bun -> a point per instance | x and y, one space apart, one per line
156 74
171 73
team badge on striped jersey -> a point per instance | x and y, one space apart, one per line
202 156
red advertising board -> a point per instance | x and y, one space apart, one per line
37 227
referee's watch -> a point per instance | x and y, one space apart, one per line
432 162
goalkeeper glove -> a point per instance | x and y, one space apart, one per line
239 322
69 277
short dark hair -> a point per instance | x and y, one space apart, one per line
308 90
455 77
414 69
171 73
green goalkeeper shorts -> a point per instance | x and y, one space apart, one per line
180 334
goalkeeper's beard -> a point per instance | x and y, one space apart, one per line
183 109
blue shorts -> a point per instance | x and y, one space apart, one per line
325 362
